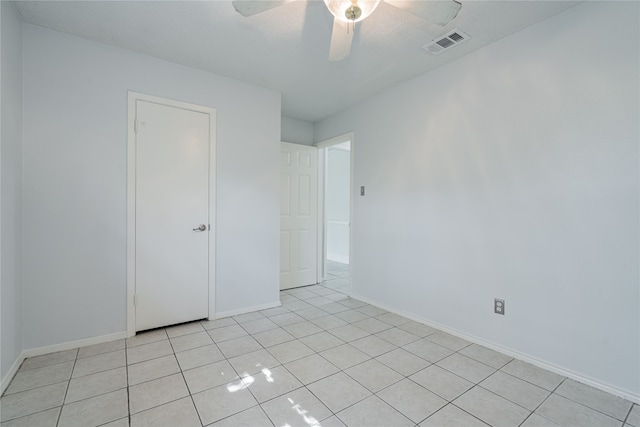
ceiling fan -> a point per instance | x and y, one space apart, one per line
348 12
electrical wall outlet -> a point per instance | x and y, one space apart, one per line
498 306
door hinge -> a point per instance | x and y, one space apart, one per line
135 300
135 126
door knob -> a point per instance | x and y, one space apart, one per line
201 228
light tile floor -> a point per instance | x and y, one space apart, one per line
322 359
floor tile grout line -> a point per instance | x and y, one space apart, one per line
529 416
154 358
95 395
37 367
249 387
527 381
497 395
469 413
326 376
422 420
126 367
185 383
156 407
273 423
628 414
164 376
67 389
438 410
64 403
355 403
531 411
6 393
335 414
584 405
257 405
282 394
36 388
524 380
496 368
33 413
373 392
542 403
100 354
467 379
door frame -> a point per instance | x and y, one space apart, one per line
131 198
322 214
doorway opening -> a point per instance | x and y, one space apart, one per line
335 211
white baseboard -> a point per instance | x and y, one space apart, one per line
14 370
230 313
39 351
584 379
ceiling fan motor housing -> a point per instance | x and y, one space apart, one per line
353 12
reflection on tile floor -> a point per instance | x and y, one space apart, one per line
322 359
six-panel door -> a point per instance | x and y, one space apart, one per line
298 215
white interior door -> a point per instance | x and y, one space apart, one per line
298 215
171 215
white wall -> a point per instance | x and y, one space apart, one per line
512 173
338 199
75 162
296 131
11 165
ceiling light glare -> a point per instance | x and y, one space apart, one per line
351 10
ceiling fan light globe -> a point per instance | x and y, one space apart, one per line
338 8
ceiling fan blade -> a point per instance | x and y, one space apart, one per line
341 38
253 7
435 11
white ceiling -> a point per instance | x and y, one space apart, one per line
286 48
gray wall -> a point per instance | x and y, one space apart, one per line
11 212
296 131
512 173
75 175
